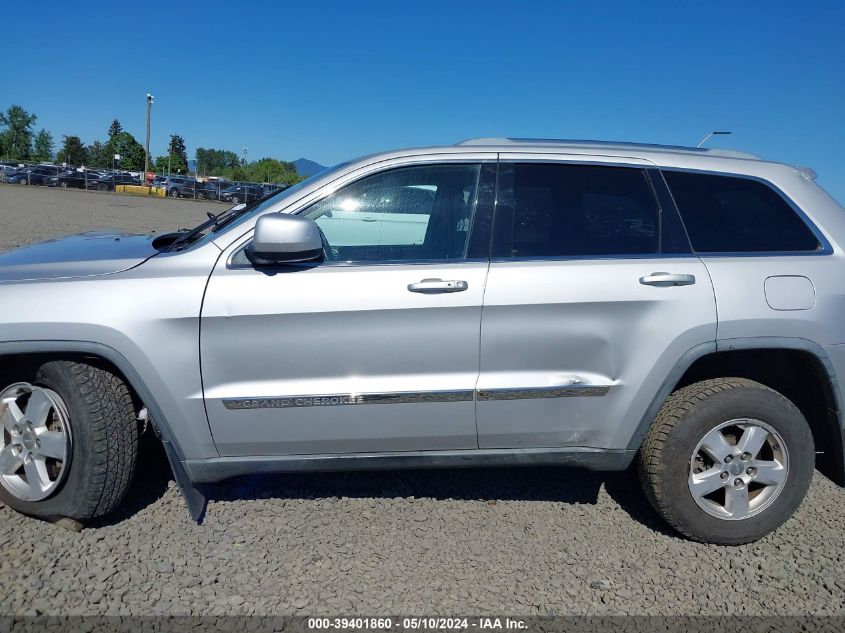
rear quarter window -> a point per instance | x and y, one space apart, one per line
731 214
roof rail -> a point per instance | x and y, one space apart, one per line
584 143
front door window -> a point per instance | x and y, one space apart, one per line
410 213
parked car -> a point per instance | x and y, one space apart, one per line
6 170
184 189
108 182
242 193
677 306
212 189
35 175
179 186
72 178
271 188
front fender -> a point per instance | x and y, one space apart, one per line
194 498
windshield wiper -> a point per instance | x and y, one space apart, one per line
213 222
218 221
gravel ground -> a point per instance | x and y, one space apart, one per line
525 541
32 214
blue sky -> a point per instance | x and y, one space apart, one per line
332 80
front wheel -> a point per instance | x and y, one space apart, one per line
69 442
727 460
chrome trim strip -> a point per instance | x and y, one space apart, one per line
569 391
341 399
412 397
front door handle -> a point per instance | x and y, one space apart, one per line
667 279
434 286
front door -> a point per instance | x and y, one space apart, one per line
374 349
592 297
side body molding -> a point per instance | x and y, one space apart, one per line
194 498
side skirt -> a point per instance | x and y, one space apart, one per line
220 468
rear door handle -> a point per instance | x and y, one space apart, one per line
434 286
667 279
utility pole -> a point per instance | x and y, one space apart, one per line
147 144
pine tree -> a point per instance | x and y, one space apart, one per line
115 128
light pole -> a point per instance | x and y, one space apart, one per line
147 144
707 138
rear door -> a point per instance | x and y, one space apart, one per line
593 295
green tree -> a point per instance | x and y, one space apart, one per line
216 162
238 174
272 170
17 137
176 149
97 155
72 151
43 148
131 151
172 163
115 128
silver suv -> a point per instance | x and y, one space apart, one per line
500 302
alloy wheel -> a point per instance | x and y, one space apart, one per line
36 441
738 469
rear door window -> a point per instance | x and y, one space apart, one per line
563 210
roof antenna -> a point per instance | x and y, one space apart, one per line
707 138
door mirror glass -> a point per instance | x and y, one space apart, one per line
281 238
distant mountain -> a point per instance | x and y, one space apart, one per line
305 167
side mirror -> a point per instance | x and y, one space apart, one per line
280 238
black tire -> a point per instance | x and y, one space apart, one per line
104 449
683 421
63 184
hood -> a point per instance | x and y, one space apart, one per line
83 255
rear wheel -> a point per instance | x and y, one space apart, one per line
69 442
63 184
727 460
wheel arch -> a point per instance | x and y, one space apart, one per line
63 349
798 368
